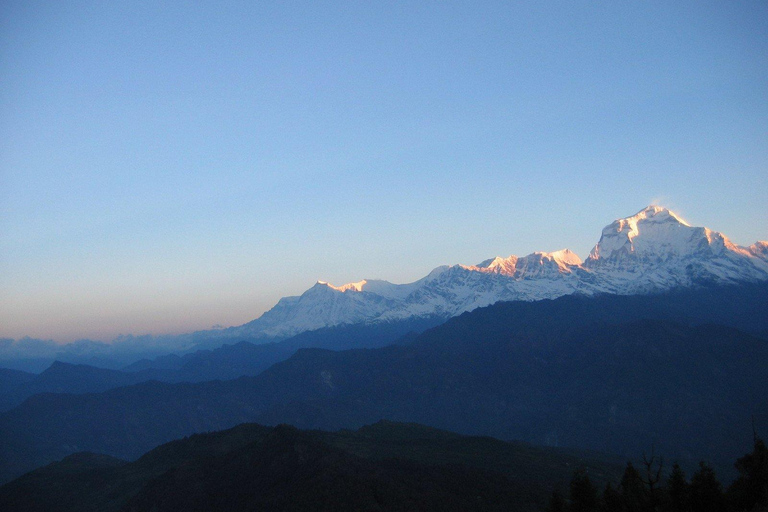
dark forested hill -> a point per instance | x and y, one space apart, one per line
386 466
618 374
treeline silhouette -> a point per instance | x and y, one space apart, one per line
645 488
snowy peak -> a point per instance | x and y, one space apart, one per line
497 265
653 232
656 250
537 264
547 264
759 250
373 286
357 287
655 213
563 258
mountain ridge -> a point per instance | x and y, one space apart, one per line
653 251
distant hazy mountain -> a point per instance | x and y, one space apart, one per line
651 251
230 361
35 355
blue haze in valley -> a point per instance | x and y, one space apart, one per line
169 166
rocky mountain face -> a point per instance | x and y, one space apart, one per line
649 252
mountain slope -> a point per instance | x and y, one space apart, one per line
615 388
649 252
10 381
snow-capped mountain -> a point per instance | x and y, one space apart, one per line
656 250
651 251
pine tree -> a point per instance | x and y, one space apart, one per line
612 499
633 490
677 491
750 490
706 492
557 503
583 493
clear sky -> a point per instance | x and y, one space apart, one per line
168 166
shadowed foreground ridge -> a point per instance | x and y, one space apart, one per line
386 466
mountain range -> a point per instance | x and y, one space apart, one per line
658 340
652 251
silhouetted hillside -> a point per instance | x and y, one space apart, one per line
386 466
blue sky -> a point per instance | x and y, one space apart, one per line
170 166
